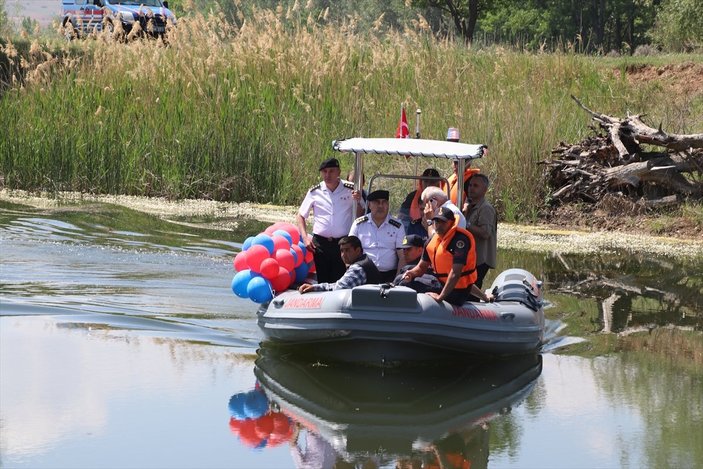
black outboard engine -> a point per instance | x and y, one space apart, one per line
520 286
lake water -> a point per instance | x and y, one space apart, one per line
122 346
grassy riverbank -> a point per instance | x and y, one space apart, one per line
246 114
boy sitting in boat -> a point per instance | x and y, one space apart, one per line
360 269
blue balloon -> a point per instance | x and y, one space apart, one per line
259 290
255 405
303 248
265 240
285 234
301 272
295 256
236 406
247 243
240 283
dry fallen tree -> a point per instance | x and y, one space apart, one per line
613 163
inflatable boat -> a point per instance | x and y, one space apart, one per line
386 323
361 410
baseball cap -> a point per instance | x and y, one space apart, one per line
445 214
412 240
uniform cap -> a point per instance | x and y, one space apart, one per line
445 214
330 163
412 240
378 195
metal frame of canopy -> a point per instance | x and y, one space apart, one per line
421 148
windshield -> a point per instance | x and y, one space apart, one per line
146 3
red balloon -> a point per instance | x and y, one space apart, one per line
285 259
281 281
309 256
279 242
264 426
298 253
282 429
311 267
255 256
235 425
269 268
247 433
292 231
240 261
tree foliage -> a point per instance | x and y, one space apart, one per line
679 25
589 26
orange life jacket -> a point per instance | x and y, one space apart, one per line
442 259
468 172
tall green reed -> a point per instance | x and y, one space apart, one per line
246 113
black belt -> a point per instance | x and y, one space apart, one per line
325 238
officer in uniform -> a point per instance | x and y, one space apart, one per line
334 204
381 236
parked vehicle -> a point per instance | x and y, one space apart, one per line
118 17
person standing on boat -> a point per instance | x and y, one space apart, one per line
413 247
410 212
453 136
433 199
381 236
334 204
482 222
451 253
360 269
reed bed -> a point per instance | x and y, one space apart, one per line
245 113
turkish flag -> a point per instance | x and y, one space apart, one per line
403 129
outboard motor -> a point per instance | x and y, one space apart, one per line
520 286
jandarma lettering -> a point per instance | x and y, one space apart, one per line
299 303
475 313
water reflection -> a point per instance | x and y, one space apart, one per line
633 292
334 416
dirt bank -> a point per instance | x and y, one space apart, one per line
540 238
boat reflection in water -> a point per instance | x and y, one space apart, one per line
339 416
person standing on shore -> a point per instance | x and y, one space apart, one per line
481 221
334 204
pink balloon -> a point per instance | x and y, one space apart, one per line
298 253
240 261
255 256
285 259
279 242
269 268
281 281
269 231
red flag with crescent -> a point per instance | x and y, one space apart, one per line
403 130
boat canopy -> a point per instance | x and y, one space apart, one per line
411 147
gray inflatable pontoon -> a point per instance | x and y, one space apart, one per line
388 323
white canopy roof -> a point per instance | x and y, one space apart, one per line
410 147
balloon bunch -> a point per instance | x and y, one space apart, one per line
253 422
270 262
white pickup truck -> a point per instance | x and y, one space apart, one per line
81 17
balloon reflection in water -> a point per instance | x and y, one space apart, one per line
255 424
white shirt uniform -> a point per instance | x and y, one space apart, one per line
380 242
333 211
